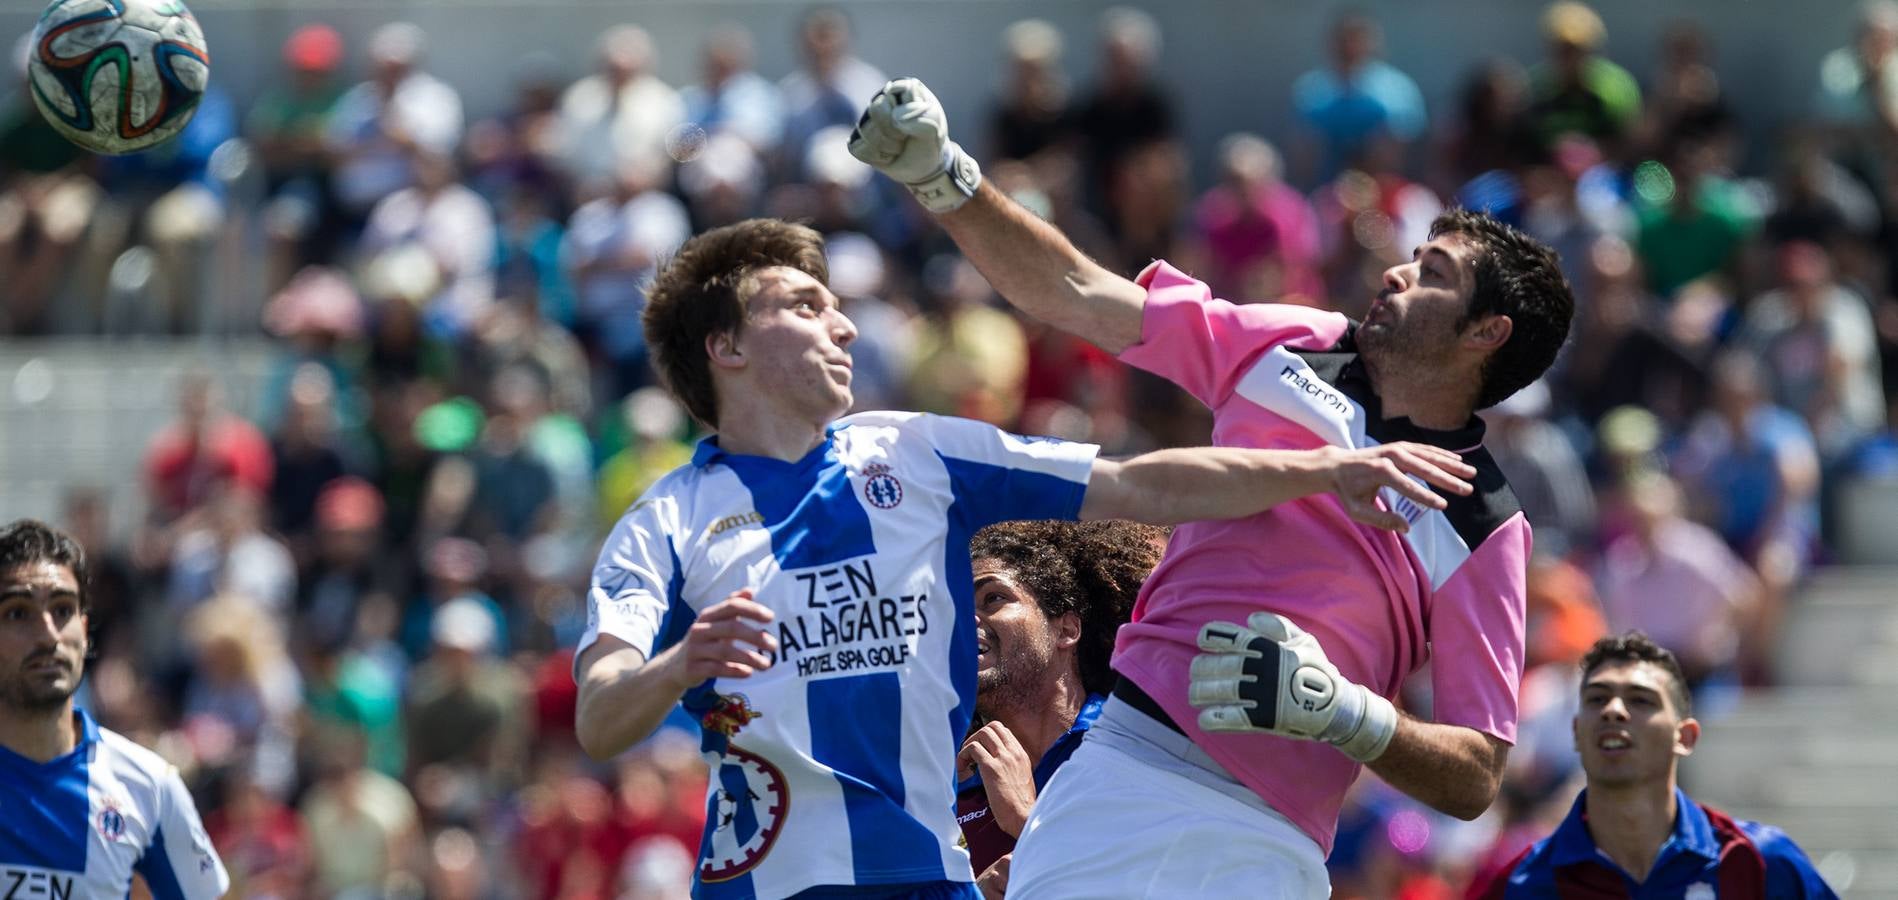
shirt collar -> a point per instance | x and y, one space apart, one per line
1355 381
708 451
1692 834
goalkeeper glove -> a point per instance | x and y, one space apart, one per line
905 134
1270 676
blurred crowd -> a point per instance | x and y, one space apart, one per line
347 613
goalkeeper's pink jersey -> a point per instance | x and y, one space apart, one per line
1450 592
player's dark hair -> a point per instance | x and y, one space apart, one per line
1091 569
24 542
1519 277
1636 646
702 291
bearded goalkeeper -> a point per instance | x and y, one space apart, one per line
1257 672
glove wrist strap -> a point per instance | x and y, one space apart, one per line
948 189
1374 730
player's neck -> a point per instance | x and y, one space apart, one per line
1040 718
39 736
1434 399
1631 823
754 430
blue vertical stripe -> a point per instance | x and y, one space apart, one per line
731 778
44 811
155 865
809 507
857 730
984 494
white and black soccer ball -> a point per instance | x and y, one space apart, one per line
118 76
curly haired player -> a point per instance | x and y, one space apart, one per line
1049 597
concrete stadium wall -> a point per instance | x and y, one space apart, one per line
1231 61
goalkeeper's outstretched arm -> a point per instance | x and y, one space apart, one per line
1043 274
905 134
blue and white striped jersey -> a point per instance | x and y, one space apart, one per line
836 766
78 826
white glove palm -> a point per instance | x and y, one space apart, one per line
1270 676
904 134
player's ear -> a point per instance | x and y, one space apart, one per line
1067 630
721 348
1686 735
1489 333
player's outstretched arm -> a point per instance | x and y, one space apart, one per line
1168 487
624 695
905 134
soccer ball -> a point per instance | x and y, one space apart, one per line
118 76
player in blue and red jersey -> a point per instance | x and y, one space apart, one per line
1633 832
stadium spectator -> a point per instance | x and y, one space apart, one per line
827 88
1356 97
1576 90
447 223
1261 236
287 124
731 97
1674 578
1049 597
1633 829
1817 339
1033 113
1125 109
378 127
621 112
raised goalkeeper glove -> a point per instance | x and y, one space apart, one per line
905 134
1270 676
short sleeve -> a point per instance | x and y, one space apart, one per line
636 580
1475 626
180 863
1204 345
997 476
1789 872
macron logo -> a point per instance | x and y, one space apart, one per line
1312 387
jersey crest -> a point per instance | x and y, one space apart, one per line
881 488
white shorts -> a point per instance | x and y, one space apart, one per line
1139 811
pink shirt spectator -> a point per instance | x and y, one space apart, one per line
1685 589
1381 604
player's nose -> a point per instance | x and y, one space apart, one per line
842 330
1394 279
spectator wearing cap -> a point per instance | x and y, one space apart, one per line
377 126
466 714
1577 90
287 125
623 111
